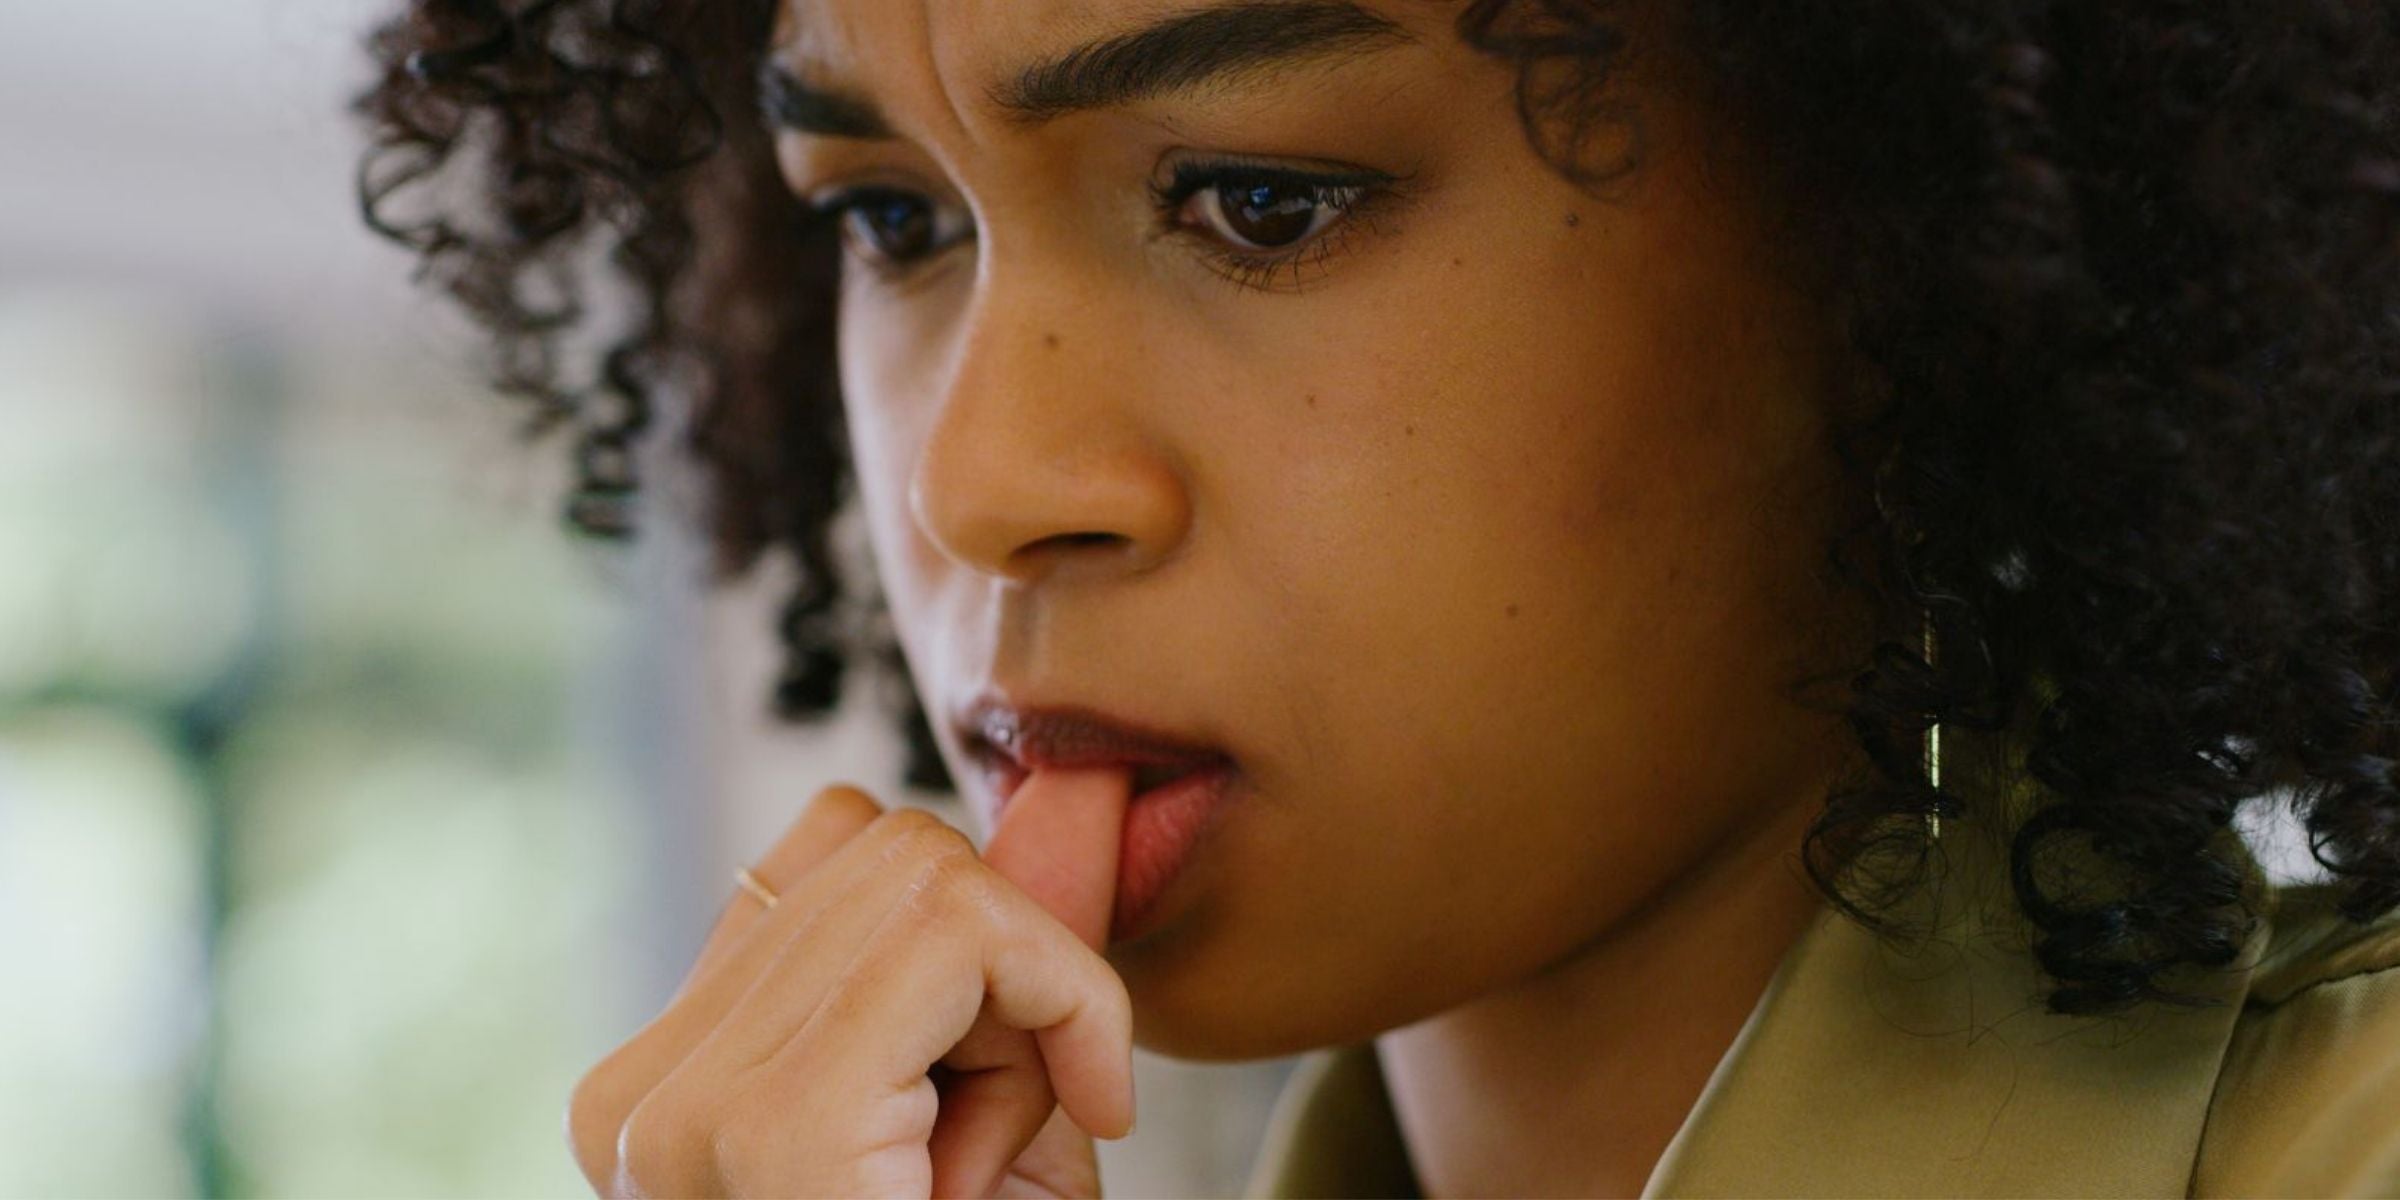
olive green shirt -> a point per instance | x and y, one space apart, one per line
1928 1066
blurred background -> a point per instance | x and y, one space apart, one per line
349 809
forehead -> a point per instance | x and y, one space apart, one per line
883 42
961 50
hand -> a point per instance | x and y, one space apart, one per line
908 1019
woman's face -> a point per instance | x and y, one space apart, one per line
1478 517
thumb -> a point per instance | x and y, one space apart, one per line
1057 839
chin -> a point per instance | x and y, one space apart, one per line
1226 1006
1223 1036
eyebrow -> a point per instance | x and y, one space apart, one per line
1179 53
792 104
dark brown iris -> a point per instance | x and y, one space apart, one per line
1266 214
898 227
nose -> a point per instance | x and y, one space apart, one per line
1043 458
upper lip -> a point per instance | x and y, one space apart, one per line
995 733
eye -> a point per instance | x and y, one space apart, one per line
1269 227
891 228
1269 214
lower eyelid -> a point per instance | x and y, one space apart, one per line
1257 271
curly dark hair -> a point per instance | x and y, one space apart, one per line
2124 280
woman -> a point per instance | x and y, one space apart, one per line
1685 591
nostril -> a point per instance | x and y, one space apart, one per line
1077 553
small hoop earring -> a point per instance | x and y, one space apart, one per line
1933 749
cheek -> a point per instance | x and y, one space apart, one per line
1531 587
1604 489
881 353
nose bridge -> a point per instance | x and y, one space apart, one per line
1039 458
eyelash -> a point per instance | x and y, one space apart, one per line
1356 198
836 211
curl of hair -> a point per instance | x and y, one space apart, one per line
2124 281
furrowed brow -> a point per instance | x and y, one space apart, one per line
791 103
1190 50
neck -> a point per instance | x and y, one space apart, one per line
1571 1082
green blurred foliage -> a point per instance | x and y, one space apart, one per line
311 866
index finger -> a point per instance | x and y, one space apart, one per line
832 817
968 947
1058 841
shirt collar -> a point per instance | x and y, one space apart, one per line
1884 1066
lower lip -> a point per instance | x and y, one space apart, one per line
1162 827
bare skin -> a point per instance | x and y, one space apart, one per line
1481 524
1572 1082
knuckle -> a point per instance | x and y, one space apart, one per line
915 822
596 1111
949 880
590 1128
814 1145
665 1147
929 841
943 874
756 1142
846 799
798 1133
1104 998
1116 1001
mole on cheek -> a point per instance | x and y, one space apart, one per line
1512 610
1574 219
1312 399
1050 340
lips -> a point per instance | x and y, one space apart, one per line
1008 741
1179 789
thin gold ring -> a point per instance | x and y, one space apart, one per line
749 883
